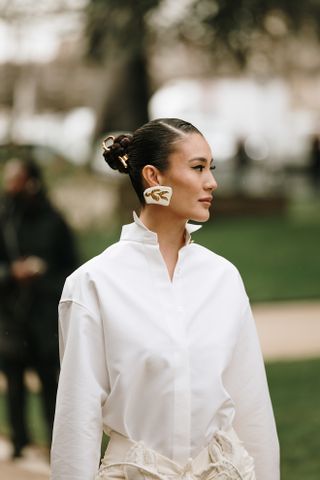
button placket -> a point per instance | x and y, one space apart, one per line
170 299
182 393
182 406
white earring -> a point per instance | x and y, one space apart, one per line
158 195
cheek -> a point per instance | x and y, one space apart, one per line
185 183
184 197
190 189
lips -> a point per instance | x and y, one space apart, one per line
206 199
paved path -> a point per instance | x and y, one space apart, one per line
8 471
34 466
286 330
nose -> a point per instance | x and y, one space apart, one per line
211 183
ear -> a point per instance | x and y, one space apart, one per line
151 176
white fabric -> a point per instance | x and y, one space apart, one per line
164 362
224 458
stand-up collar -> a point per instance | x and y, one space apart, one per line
138 232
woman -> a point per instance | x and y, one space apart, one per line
158 345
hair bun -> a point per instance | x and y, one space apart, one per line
116 154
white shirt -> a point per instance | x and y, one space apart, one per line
166 362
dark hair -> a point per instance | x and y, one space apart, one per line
150 144
32 168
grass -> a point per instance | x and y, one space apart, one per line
278 257
295 393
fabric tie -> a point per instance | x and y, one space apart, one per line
223 461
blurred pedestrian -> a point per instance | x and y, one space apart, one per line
241 168
36 254
315 163
158 343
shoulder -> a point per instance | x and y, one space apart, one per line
52 213
94 265
3 208
82 282
81 286
216 271
212 259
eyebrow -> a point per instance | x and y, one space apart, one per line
200 159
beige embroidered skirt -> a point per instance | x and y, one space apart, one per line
224 458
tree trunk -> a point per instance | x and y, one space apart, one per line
125 107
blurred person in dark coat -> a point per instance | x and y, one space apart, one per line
36 254
315 162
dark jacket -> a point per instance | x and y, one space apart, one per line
28 311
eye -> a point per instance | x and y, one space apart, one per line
198 167
213 167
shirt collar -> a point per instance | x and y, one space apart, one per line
138 232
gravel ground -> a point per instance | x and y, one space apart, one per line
286 331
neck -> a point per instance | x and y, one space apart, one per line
169 228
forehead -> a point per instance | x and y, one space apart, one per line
14 168
192 146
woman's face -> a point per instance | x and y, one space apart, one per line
190 176
15 178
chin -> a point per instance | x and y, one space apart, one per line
200 216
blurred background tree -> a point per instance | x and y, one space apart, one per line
215 37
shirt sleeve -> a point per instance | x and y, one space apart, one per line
82 391
247 385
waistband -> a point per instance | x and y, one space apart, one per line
224 458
